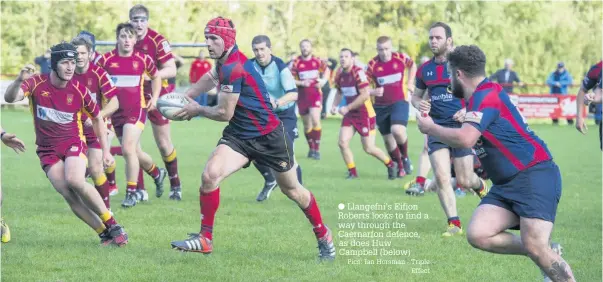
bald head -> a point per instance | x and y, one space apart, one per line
508 64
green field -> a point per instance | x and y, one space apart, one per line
272 241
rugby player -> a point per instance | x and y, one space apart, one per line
254 133
127 68
358 114
310 73
280 85
527 182
57 104
11 141
592 78
155 45
386 72
102 91
446 110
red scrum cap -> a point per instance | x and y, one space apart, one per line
224 28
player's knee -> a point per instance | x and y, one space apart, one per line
535 250
316 120
369 149
210 179
289 189
477 239
442 182
75 182
165 145
535 245
462 181
69 197
65 193
96 170
399 132
343 144
129 150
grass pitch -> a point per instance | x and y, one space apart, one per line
272 241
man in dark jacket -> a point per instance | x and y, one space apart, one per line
506 76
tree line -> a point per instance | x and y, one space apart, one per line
535 34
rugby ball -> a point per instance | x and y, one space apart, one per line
170 104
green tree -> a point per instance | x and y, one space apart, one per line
536 35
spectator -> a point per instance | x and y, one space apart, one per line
506 76
44 62
559 80
198 68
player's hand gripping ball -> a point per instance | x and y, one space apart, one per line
170 104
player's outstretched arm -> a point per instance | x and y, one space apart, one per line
225 108
100 129
110 108
362 97
14 93
378 92
337 101
598 97
288 85
206 83
417 97
419 101
464 137
594 97
155 91
301 83
288 98
11 141
411 78
580 124
168 69
223 111
324 78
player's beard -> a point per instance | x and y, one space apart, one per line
456 87
440 50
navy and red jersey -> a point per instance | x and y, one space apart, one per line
507 145
434 77
593 77
253 116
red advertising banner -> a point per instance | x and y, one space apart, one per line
546 106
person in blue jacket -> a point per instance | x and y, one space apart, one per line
559 81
